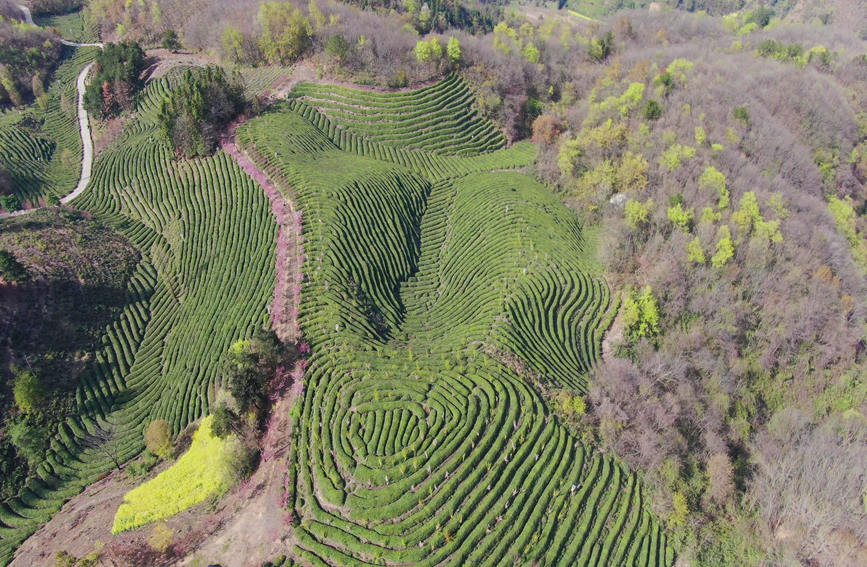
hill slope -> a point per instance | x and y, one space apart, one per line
429 282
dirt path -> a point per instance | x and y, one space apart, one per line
83 127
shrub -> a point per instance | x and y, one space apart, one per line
453 49
171 41
158 438
10 203
652 110
11 270
640 314
336 46
742 114
161 538
638 213
28 391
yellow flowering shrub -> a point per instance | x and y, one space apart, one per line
204 470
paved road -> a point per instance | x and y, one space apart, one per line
83 127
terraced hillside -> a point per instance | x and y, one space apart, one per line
439 118
439 290
206 237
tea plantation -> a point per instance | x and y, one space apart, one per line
207 237
441 292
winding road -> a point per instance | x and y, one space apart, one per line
83 126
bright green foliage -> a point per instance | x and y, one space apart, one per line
708 215
453 49
423 52
696 253
11 270
158 438
233 43
428 274
638 213
748 219
28 391
700 136
505 38
622 104
725 250
286 33
682 218
713 178
569 403
845 217
204 470
672 157
631 173
640 314
568 155
679 511
530 53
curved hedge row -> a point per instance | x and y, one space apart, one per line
438 119
414 445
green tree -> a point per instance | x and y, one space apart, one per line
233 43
682 218
249 366
742 114
422 51
28 391
638 213
601 47
171 41
725 250
315 15
225 422
696 253
640 314
453 49
337 47
193 114
11 269
652 110
118 79
286 33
